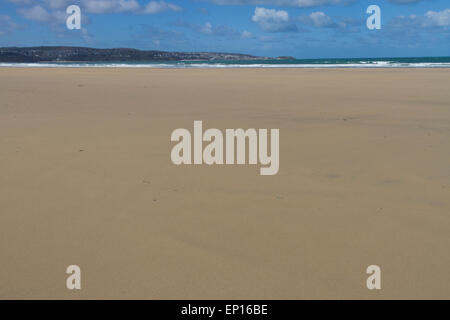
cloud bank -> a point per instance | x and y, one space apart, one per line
272 20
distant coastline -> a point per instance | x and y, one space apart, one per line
85 54
78 57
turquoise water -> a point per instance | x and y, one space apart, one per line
423 62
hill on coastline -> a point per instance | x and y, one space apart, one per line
84 54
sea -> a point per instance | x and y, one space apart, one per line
422 62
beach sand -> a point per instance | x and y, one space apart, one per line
86 179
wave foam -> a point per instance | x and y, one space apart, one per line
360 64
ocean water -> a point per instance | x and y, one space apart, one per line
424 62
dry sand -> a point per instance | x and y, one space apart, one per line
86 179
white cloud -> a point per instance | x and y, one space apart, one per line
289 3
95 6
20 1
36 13
403 1
216 30
220 31
156 7
108 6
56 19
437 19
431 19
320 19
7 25
207 28
263 14
273 20
58 4
317 19
246 35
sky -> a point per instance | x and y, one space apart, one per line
271 28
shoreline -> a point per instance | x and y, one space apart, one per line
216 67
349 63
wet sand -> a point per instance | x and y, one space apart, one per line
86 179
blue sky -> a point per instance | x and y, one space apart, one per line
300 28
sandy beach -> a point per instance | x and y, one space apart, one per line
86 179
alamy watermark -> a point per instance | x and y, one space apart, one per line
374 20
73 20
73 281
221 152
374 280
